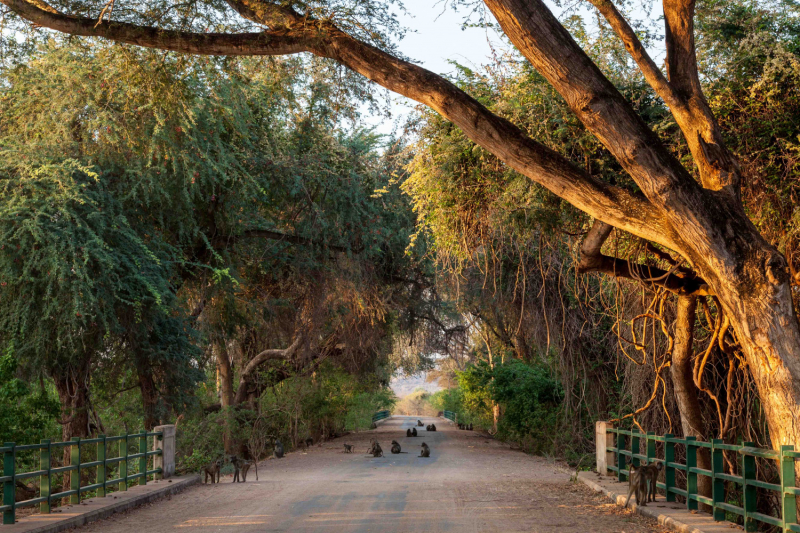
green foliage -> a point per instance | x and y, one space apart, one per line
27 415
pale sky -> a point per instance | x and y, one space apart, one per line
435 39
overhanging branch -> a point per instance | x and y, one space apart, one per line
592 260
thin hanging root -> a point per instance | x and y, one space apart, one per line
664 402
721 325
652 396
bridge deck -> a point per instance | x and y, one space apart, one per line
469 483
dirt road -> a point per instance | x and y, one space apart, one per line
470 483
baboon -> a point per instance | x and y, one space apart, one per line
651 475
376 450
461 426
246 466
413 432
419 423
212 469
396 447
373 426
426 451
469 427
428 427
278 449
408 432
637 482
432 428
372 443
348 448
309 442
240 468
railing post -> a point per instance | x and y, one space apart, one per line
44 479
691 477
123 465
718 485
166 443
75 475
634 446
9 487
621 476
143 459
669 471
748 491
788 501
603 440
101 468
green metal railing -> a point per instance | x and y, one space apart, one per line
103 465
450 415
380 415
747 454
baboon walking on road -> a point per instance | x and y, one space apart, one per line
348 448
637 482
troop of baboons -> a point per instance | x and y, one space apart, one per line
465 426
242 466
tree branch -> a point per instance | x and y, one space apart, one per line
264 43
682 93
592 260
615 205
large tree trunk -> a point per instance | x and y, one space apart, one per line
72 385
147 386
225 377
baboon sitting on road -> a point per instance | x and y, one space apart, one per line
278 449
426 451
408 432
396 447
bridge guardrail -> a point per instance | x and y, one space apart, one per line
380 415
451 415
625 445
103 464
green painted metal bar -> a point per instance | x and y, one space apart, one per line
787 472
9 485
123 465
771 520
620 456
669 471
765 485
44 480
635 461
28 475
101 468
691 477
75 478
749 490
143 459
758 452
679 492
732 479
717 485
703 499
793 527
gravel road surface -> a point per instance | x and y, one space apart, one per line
470 483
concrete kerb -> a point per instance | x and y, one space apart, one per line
672 515
93 509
